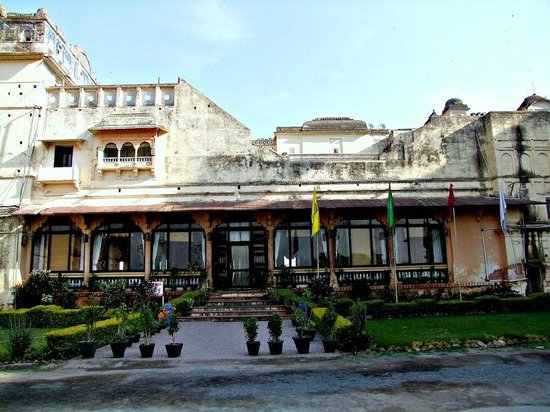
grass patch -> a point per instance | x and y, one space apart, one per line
405 331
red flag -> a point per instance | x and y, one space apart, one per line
451 198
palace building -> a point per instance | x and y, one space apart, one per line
105 182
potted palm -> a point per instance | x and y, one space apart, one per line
173 350
120 339
275 328
148 325
91 315
250 326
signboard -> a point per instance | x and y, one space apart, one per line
158 289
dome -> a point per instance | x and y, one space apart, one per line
334 123
455 107
532 100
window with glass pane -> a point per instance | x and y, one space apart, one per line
419 241
295 247
58 247
361 243
118 246
178 246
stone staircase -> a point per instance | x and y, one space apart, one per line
231 306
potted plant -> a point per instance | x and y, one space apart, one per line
120 339
173 350
250 326
148 325
327 327
275 328
92 314
302 340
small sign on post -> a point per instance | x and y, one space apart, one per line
158 290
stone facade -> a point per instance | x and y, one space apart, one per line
135 181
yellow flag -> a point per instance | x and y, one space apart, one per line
315 219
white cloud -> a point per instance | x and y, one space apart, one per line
213 22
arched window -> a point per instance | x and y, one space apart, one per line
507 164
178 246
118 246
361 243
419 241
295 247
58 246
128 150
110 151
144 150
542 165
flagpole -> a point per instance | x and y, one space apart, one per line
317 251
394 266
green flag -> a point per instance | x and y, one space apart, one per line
390 218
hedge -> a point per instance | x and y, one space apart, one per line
185 302
64 343
341 322
481 304
50 316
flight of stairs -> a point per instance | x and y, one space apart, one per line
233 305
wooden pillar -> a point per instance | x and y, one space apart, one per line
271 255
148 249
332 256
208 260
87 258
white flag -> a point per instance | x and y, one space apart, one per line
502 207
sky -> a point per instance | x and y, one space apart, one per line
273 63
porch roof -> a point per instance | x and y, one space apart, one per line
251 205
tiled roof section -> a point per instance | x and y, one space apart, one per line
341 204
334 123
531 100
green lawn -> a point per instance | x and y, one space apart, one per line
401 332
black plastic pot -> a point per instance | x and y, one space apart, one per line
310 333
147 350
173 350
118 348
302 344
88 348
253 348
129 341
136 337
275 347
330 345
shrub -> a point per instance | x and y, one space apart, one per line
284 296
327 324
541 300
185 302
250 326
113 293
488 304
352 339
34 289
44 316
320 287
375 307
343 306
360 290
275 327
20 338
64 343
